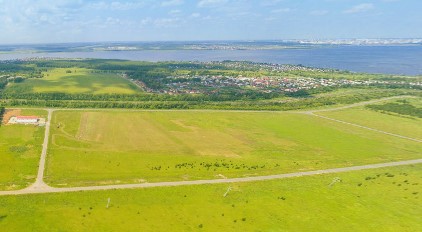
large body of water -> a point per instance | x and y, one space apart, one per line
405 60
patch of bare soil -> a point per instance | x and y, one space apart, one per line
10 113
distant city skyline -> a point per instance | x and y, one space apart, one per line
64 21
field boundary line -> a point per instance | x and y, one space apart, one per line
368 128
48 189
313 113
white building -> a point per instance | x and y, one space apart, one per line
27 119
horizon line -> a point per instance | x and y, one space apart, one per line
213 40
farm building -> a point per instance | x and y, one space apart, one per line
27 119
32 120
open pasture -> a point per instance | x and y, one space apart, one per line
396 123
20 149
74 81
387 199
111 147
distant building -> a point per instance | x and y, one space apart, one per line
27 119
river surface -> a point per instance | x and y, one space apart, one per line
405 60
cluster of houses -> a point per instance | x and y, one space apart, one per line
246 65
10 78
208 84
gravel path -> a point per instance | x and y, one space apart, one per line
48 189
39 181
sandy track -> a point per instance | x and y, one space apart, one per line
48 189
39 182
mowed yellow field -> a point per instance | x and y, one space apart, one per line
146 132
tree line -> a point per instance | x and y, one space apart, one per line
2 111
223 95
299 103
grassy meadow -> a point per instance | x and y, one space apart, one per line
20 150
390 122
110 147
387 199
77 81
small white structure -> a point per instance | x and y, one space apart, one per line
24 120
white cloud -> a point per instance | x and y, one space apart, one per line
319 12
360 8
195 15
211 3
175 12
281 10
117 5
270 2
172 3
167 22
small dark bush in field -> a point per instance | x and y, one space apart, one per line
18 149
2 217
200 225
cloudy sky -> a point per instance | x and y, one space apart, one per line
43 21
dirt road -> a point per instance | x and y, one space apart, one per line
39 182
47 189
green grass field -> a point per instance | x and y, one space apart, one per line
20 150
78 81
105 147
387 199
389 122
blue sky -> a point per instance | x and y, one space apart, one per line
43 21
